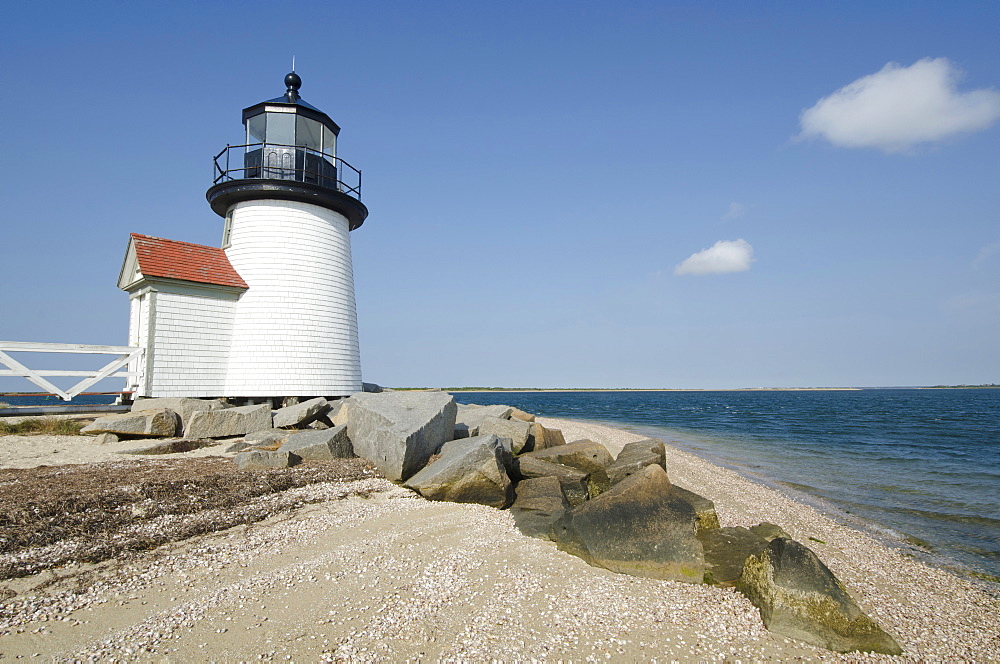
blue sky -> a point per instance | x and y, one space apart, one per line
543 177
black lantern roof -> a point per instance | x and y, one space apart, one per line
292 99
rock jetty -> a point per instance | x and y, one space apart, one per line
621 513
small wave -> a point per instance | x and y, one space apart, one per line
800 487
969 519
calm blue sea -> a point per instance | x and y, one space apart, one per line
51 400
917 465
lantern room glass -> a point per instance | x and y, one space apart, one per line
308 133
329 142
281 128
256 128
291 129
283 143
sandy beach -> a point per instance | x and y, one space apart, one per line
372 572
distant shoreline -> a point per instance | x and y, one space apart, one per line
631 389
601 389
687 389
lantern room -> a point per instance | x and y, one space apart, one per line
289 151
288 120
288 139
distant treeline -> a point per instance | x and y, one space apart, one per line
964 387
540 389
515 389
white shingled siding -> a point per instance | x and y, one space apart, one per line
295 331
191 340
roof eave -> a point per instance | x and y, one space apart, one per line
153 280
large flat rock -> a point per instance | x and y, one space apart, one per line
584 455
798 596
270 438
706 518
574 482
262 460
518 414
517 430
505 445
320 445
163 422
399 431
229 422
337 414
540 502
540 438
300 414
470 470
636 456
470 416
183 406
727 549
638 527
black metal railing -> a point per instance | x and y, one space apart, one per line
273 161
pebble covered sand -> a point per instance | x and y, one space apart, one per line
393 577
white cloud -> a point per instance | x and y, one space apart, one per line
722 257
735 211
900 107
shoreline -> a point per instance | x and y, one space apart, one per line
852 552
908 544
651 389
883 534
393 576
917 466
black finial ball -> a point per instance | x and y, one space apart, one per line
293 81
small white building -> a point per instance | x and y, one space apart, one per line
270 313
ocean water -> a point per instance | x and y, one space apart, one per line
912 466
52 400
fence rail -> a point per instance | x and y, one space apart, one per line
125 354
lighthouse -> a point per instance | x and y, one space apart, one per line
271 311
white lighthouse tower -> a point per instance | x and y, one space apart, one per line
289 204
271 312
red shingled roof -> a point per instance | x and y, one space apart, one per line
182 260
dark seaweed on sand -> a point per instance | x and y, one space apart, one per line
53 516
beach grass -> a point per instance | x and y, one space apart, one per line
41 426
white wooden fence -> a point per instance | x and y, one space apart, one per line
111 370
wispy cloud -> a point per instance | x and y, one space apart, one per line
900 107
985 254
735 211
975 302
722 257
